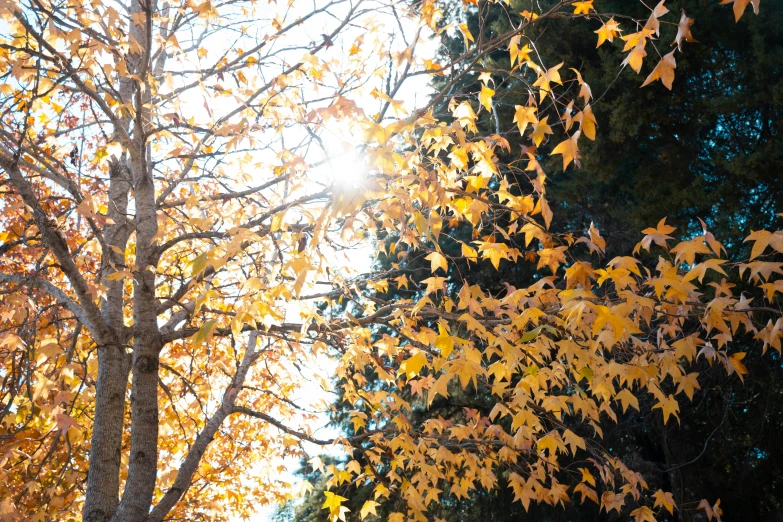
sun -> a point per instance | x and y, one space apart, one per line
344 165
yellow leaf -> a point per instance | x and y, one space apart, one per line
608 31
550 443
587 122
664 71
611 500
735 364
421 223
116 276
485 97
587 477
463 28
741 5
545 79
466 116
540 130
444 342
688 384
198 264
367 508
643 514
669 406
569 150
524 115
64 422
699 270
762 239
469 253
586 492
627 398
636 56
665 500
684 31
582 7
332 501
437 261
413 365
574 441
441 387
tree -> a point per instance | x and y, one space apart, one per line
164 220
729 432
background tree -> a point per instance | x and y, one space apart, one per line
715 167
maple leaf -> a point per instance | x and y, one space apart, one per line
569 150
583 7
574 441
711 511
469 253
669 407
540 130
653 24
580 273
763 239
634 39
636 56
688 384
546 78
594 241
686 251
627 398
664 71
608 31
665 500
524 115
586 492
64 422
551 257
701 269
741 5
444 342
466 34
518 55
466 116
684 31
493 251
550 443
643 514
761 269
412 366
658 235
332 501
441 387
402 281
367 508
587 477
437 261
8 510
734 364
611 500
485 97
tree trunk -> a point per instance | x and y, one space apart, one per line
103 480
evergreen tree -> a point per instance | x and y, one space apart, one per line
657 160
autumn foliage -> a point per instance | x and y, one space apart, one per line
173 255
